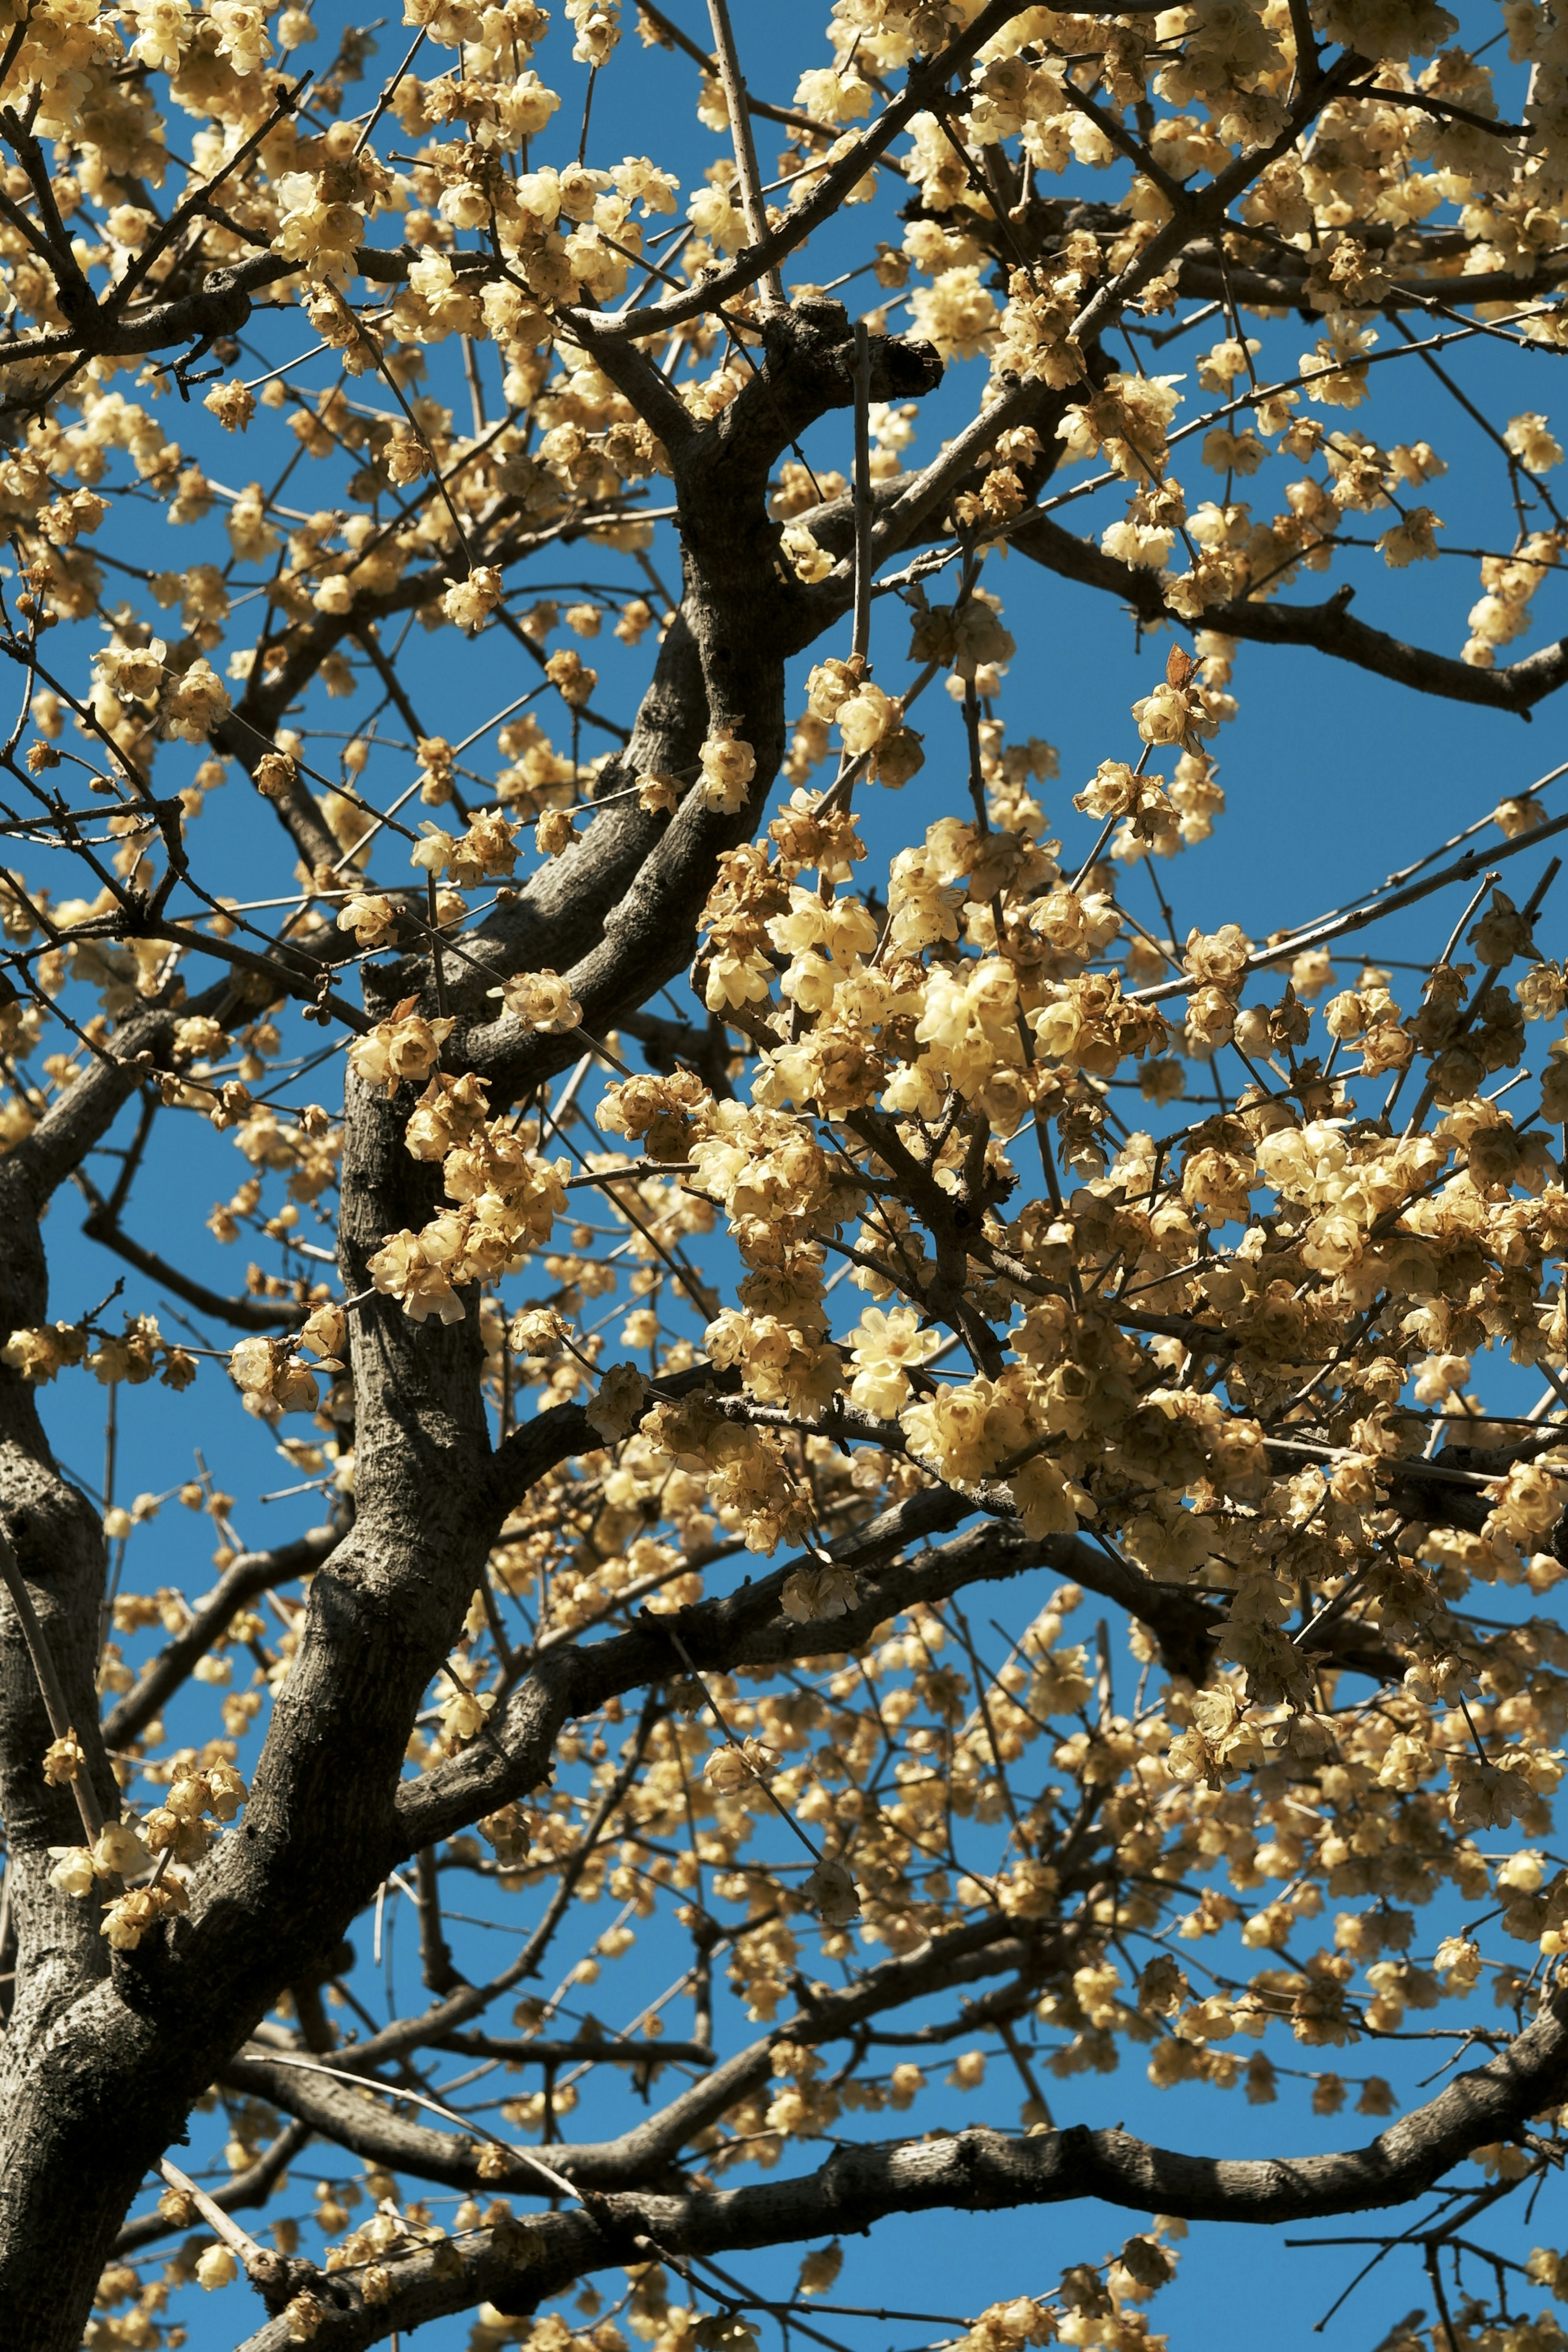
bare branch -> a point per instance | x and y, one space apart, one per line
975 2171
253 2186
253 1572
1329 627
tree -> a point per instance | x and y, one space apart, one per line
710 1629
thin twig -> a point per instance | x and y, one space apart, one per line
862 643
752 204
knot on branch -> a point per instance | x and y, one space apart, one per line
278 2278
620 2237
221 307
808 369
816 340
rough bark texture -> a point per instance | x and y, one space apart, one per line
973 2171
104 2059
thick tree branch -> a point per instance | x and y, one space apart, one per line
81 1118
747 1628
633 889
975 2171
991 1945
1329 627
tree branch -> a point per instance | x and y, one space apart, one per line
992 1945
252 1572
926 81
81 1118
1328 627
520 2267
245 1313
734 83
251 2187
744 1629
